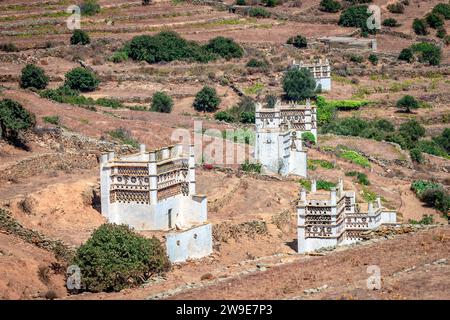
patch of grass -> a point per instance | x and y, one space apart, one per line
368 195
124 137
322 163
325 185
51 119
354 157
251 167
426 219
254 89
305 183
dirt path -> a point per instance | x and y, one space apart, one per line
343 274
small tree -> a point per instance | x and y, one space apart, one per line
299 84
81 79
33 77
355 16
13 119
416 155
225 47
161 102
298 41
434 20
373 58
420 27
330 6
80 37
407 103
406 55
115 258
206 100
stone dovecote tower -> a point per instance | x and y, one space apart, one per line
278 143
331 218
155 191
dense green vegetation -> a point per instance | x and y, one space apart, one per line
360 177
330 6
298 41
407 102
309 138
432 194
243 111
390 22
313 163
396 7
356 16
258 12
299 84
206 100
80 37
33 77
251 167
90 7
14 118
81 79
420 27
161 102
258 64
325 185
353 156
115 258
169 46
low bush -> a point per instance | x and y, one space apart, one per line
51 119
373 58
354 157
255 63
115 258
416 155
119 56
224 47
420 27
251 167
356 16
161 102
397 8
80 37
8 47
406 55
331 6
434 20
223 116
325 185
14 118
81 79
298 41
124 136
258 12
390 22
90 7
33 77
442 9
309 138
427 52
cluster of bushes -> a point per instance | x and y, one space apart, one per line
258 12
432 194
326 109
251 167
243 111
14 118
330 6
434 19
169 46
360 177
298 41
356 16
257 64
425 52
115 258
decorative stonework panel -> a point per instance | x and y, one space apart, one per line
130 196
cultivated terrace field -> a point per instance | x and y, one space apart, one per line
49 162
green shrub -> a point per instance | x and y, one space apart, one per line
325 112
51 119
245 104
33 77
223 116
241 2
436 198
271 3
384 125
420 27
90 7
251 167
442 9
412 130
356 58
255 63
109 103
115 258
431 147
80 37
325 185
8 47
443 140
258 12
373 58
309 137
396 8
161 102
362 179
124 136
322 163
434 20
426 219
416 155
330 6
225 47
247 117
419 186
298 41
356 16
81 79
14 118
119 56
441 33
390 22
299 84
305 183
406 55
428 52
206 100
271 100
407 103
